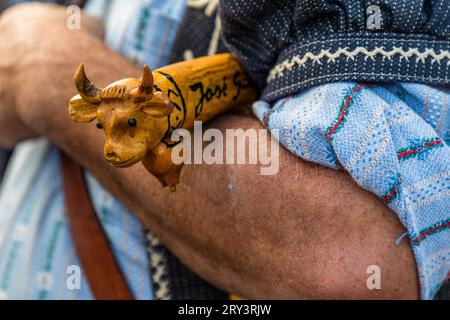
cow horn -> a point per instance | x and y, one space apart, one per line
145 89
87 90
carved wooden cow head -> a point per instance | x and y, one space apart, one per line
132 114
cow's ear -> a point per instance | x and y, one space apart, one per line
159 106
82 111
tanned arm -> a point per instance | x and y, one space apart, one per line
307 232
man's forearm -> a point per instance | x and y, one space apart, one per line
307 232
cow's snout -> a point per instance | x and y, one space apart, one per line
123 155
110 155
109 152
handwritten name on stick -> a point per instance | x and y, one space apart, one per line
138 116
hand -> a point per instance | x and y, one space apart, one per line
12 128
16 42
31 37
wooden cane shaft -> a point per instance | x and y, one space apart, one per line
203 88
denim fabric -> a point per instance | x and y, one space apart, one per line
394 141
290 45
35 243
199 32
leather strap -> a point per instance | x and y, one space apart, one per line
104 276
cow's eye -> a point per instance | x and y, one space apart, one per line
99 125
132 122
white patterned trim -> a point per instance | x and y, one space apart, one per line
214 43
426 182
158 265
344 52
376 157
370 132
427 201
209 5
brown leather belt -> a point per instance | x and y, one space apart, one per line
104 276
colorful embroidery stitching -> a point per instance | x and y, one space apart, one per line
266 118
269 112
420 150
344 110
438 227
392 193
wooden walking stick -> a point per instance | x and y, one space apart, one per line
138 116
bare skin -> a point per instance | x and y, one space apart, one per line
307 232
